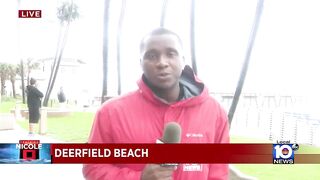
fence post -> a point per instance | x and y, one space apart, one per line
43 121
17 112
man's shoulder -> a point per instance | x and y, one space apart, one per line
212 101
122 100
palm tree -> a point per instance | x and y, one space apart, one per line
245 65
192 39
123 7
31 65
21 72
12 72
20 66
105 51
67 13
3 76
163 12
23 69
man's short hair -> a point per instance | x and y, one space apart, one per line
159 31
33 81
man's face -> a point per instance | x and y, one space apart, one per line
162 60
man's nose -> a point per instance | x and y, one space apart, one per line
163 61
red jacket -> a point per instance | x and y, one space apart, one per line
139 117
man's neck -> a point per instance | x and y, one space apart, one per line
169 95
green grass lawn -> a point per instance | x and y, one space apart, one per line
7 104
280 171
73 128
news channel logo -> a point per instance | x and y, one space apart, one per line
284 153
25 152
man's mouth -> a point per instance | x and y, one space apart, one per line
163 75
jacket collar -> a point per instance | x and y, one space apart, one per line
192 90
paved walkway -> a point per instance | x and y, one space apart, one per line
16 134
35 171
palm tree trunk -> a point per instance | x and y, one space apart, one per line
66 13
163 12
123 7
22 82
246 61
28 75
192 39
56 69
21 60
3 81
105 51
13 88
53 67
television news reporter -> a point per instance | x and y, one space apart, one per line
168 91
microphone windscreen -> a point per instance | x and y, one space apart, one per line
172 133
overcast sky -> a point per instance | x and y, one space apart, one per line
284 59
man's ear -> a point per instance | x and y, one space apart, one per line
183 61
140 62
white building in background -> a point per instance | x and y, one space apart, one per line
71 76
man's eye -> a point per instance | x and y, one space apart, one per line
151 56
172 54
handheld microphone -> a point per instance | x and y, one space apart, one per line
171 134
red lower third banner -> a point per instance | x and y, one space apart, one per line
173 153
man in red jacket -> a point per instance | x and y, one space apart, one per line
168 91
